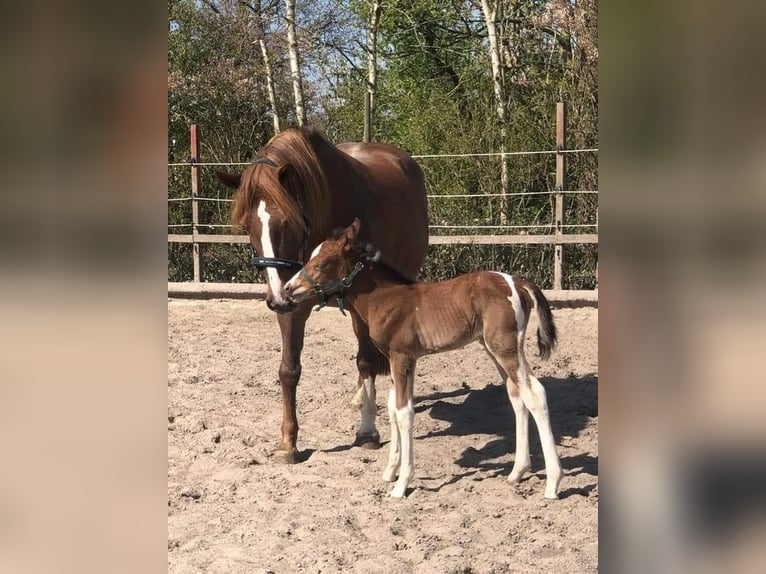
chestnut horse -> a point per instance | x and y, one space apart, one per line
300 188
408 320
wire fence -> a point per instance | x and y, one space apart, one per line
430 196
192 162
433 196
535 219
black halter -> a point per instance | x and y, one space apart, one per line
278 262
338 287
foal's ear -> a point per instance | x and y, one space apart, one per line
352 231
231 180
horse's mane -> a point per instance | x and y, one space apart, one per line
296 183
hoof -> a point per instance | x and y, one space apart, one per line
398 492
516 475
286 456
368 441
389 475
551 496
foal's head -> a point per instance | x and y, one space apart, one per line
331 261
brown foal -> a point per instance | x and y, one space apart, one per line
408 320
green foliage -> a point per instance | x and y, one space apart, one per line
435 96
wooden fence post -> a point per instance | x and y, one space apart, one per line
195 204
561 142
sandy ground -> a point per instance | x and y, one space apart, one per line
231 509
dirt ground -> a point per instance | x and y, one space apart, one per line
231 509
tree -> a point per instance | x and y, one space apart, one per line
489 9
429 68
372 61
295 67
257 17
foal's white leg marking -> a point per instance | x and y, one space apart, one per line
392 468
405 418
358 399
521 462
272 277
368 407
535 399
533 394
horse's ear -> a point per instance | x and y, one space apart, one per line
231 180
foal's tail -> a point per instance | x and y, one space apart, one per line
546 331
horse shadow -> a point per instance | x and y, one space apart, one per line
571 402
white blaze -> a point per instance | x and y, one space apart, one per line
272 277
316 251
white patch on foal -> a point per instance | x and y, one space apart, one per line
404 420
272 277
533 397
297 277
316 251
368 408
394 447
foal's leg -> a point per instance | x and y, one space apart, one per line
292 327
394 447
533 394
403 375
507 366
521 462
367 360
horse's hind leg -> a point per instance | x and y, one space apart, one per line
521 462
368 361
533 394
498 366
508 367
504 354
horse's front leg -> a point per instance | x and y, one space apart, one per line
292 326
370 363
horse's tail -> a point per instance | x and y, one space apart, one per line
546 330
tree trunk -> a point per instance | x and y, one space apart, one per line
372 60
270 85
489 10
260 33
295 70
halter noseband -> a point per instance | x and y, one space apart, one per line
278 262
337 287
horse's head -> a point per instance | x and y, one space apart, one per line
275 221
332 266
